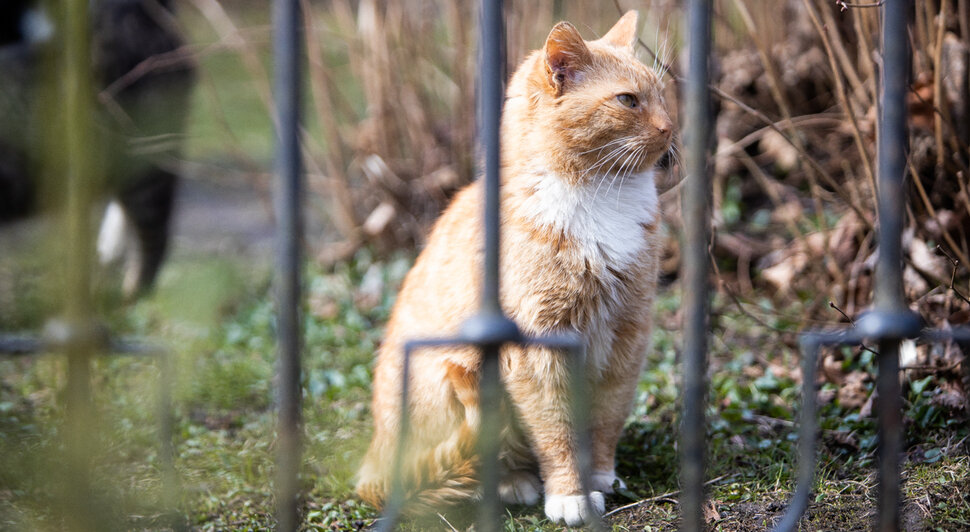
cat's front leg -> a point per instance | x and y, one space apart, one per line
537 380
611 403
575 510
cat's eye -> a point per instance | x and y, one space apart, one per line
628 100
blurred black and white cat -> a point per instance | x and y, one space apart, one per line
143 84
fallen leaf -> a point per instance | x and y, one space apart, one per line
832 369
853 392
710 512
951 397
844 439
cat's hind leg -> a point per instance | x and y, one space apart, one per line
520 487
519 482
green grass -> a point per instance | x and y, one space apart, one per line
218 320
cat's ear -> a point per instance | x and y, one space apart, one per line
566 54
623 34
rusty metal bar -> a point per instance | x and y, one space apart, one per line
286 39
696 197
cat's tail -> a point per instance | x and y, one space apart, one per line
443 475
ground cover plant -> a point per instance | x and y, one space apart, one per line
794 240
225 421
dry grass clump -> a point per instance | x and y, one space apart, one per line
390 100
391 97
797 142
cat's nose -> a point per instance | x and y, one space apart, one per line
663 126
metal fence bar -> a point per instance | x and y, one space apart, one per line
888 295
891 321
286 40
806 437
80 511
490 328
810 344
696 197
492 82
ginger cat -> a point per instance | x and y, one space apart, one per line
584 123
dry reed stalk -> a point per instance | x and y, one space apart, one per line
829 179
656 56
208 88
842 95
462 150
774 86
938 101
861 24
229 33
770 188
849 68
963 16
373 68
342 202
957 250
922 36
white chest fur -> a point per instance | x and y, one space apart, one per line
605 217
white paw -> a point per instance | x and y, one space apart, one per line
573 510
603 481
520 487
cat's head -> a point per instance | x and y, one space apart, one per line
590 108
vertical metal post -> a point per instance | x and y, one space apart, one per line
891 320
492 83
490 313
696 196
77 100
287 38
888 297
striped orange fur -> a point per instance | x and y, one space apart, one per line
583 124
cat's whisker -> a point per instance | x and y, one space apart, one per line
617 152
675 157
641 155
605 174
627 171
608 144
614 155
616 160
619 174
624 166
604 146
664 52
